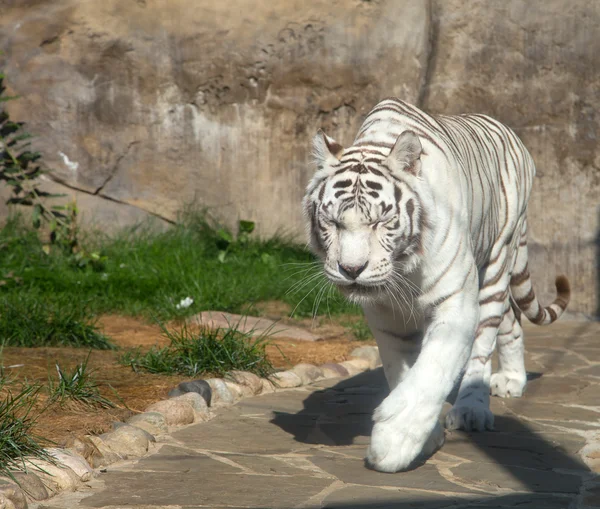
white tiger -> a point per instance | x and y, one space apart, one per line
423 222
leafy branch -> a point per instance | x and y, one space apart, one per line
20 169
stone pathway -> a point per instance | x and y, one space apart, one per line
304 448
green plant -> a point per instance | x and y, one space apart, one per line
29 319
215 351
360 330
226 242
17 418
19 168
78 386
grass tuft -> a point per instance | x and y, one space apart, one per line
17 420
79 387
208 351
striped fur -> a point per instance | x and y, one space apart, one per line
423 222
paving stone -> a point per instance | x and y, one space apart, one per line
367 497
425 477
255 325
308 373
556 389
528 501
75 462
12 495
152 422
246 379
177 413
127 441
202 482
591 498
592 371
494 476
199 386
220 394
548 410
286 379
519 450
30 484
590 396
255 435
557 362
297 447
369 353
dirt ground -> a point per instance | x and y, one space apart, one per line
132 391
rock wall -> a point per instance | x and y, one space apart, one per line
143 106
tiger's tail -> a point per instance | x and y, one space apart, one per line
523 296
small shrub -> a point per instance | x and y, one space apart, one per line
78 386
215 351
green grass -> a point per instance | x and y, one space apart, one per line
79 386
214 351
53 299
17 418
360 330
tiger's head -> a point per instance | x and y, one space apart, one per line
364 213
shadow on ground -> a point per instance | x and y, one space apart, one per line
540 468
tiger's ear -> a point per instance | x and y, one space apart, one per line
406 153
326 149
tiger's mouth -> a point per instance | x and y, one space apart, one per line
356 290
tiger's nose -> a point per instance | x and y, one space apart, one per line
351 271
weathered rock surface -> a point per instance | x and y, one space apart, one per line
286 379
177 413
221 395
30 484
11 496
308 373
535 67
127 441
199 386
368 353
247 379
152 422
57 477
75 462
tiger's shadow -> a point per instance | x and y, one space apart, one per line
340 414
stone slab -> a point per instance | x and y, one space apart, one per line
257 326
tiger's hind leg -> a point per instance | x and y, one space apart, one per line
511 378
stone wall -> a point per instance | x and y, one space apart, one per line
143 106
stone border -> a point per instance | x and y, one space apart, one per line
188 403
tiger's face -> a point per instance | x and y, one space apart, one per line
364 214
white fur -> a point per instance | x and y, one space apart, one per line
438 289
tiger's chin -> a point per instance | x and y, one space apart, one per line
363 294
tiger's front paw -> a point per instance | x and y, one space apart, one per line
506 386
470 417
399 439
